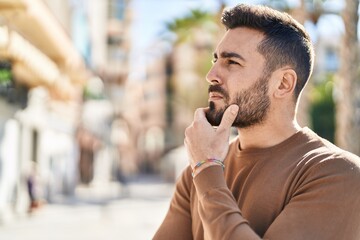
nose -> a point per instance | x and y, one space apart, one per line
212 76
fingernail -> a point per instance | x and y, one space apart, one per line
234 109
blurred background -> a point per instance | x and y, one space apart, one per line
95 96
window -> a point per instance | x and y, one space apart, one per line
117 9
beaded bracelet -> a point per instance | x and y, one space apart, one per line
213 160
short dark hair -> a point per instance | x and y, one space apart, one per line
285 43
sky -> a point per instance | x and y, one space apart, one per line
150 17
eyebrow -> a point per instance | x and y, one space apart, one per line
230 55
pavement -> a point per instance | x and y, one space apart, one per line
98 212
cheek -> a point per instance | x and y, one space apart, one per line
234 88
272 88
233 96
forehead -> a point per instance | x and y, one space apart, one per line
241 40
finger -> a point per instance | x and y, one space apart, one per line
229 117
200 114
200 118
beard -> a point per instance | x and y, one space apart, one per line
253 104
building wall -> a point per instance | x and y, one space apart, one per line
37 134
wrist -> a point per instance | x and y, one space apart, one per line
200 166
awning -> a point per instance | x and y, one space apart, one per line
38 44
34 67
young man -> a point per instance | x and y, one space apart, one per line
276 180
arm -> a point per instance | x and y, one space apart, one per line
177 223
218 210
325 204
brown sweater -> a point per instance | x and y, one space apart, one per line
303 188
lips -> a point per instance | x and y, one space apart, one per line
213 96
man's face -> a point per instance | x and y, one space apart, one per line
253 104
237 77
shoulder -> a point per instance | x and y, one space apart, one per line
323 153
316 160
340 164
323 163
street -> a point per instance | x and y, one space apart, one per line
98 212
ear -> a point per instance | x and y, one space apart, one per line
286 83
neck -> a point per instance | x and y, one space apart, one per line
266 135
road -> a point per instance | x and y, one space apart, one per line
96 213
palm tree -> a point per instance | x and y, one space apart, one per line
190 61
348 97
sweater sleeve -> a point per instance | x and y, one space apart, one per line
218 210
325 205
177 222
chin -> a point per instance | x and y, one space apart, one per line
214 115
214 106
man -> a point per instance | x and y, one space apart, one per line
276 180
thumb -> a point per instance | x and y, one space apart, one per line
229 117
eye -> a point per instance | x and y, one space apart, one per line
214 60
232 62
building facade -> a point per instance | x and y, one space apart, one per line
41 85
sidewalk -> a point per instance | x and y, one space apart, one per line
97 214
